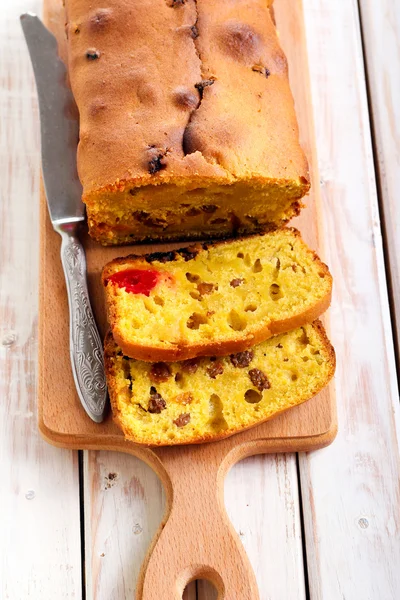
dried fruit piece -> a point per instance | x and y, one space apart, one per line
218 221
135 281
156 165
129 378
182 420
191 365
145 218
156 402
262 70
206 288
215 369
184 398
209 208
259 379
92 54
160 371
188 254
193 212
242 359
236 282
203 84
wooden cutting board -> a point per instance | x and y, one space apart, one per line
196 539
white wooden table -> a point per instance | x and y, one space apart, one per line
323 525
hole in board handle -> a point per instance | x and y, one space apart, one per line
202 588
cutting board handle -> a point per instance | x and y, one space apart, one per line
197 541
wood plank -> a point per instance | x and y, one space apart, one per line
124 505
261 496
263 503
39 492
351 490
381 31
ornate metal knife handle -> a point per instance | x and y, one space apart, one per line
86 349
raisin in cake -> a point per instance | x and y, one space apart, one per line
187 121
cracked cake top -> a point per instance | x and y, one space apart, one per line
170 90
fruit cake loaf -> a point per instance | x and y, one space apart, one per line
214 298
206 399
187 121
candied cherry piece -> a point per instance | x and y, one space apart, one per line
136 281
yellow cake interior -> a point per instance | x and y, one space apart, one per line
229 291
296 365
172 212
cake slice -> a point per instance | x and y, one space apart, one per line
206 399
187 121
214 299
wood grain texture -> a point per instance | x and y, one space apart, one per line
206 591
351 490
124 504
190 592
311 425
381 32
39 491
261 497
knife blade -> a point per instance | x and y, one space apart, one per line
59 130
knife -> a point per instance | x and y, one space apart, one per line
59 140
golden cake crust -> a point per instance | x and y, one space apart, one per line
143 83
